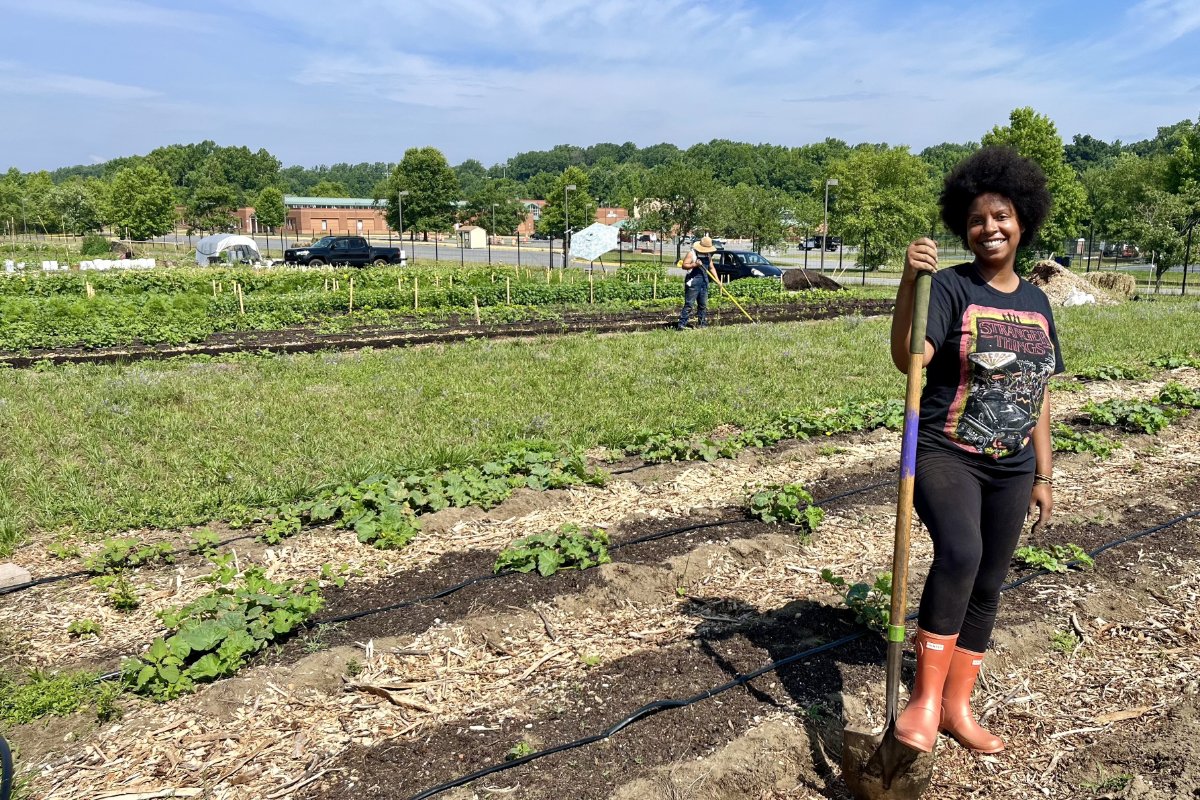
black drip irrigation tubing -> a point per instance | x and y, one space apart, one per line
662 705
650 537
449 590
20 587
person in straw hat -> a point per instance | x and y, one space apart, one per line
697 269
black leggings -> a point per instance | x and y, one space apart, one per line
974 514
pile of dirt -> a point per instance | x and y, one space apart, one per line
795 280
1117 283
1058 282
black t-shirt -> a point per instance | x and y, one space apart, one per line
994 352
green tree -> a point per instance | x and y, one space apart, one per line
580 208
1086 151
471 175
884 200
1035 137
432 188
328 188
211 207
941 158
540 186
495 200
12 198
759 213
269 208
77 205
677 194
140 202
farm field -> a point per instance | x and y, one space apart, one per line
166 312
364 684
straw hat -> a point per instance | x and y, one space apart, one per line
705 245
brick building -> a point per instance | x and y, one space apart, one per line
324 216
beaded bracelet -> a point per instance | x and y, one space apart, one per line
1039 478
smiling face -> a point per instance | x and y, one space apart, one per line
993 231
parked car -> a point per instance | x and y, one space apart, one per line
1120 250
814 243
733 264
355 251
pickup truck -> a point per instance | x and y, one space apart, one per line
355 251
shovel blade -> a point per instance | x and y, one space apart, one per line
876 766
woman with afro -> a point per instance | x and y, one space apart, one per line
984 458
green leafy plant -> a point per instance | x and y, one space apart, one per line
519 750
789 503
1064 641
124 553
354 668
216 634
57 694
119 592
1055 558
1179 396
63 550
83 627
204 542
1066 439
1175 361
870 602
382 509
1134 416
1111 372
570 547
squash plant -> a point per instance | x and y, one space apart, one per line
213 636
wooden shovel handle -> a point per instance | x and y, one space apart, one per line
904 497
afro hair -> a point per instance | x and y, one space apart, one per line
1002 171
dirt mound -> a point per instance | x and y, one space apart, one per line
1058 282
1116 283
795 280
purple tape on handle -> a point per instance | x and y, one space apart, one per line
908 446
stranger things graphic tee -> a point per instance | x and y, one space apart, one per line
994 353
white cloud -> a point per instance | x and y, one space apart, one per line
117 13
16 79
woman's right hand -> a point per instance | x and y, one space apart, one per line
921 256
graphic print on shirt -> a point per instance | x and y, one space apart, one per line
1007 359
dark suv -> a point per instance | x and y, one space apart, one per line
733 264
814 243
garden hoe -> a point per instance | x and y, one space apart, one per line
875 765
712 273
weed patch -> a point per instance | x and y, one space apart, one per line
1056 558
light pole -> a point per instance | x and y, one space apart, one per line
570 187
825 229
400 195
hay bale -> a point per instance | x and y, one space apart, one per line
1057 282
795 280
1113 282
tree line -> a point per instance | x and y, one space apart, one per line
1147 192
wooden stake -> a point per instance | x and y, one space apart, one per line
352 295
476 299
591 289
214 283
654 290
547 277
241 298
91 290
416 292
398 286
507 290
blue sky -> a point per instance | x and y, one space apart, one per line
314 82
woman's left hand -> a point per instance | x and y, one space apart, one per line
1041 500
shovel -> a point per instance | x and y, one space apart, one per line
875 765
